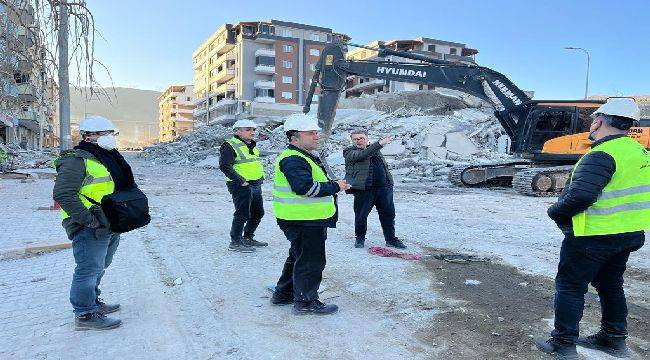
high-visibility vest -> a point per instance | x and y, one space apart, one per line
247 165
97 184
624 205
287 205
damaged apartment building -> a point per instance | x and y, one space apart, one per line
175 112
437 49
257 65
28 114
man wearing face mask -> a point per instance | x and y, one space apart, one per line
92 170
603 212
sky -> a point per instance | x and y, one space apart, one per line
148 44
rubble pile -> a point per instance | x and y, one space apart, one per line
432 130
19 158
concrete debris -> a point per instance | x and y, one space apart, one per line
18 158
432 129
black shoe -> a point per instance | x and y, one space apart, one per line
614 346
280 300
562 351
359 242
248 240
240 247
105 308
95 321
313 307
396 243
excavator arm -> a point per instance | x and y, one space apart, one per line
487 84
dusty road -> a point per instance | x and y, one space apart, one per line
389 307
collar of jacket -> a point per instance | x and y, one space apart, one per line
606 138
316 159
251 144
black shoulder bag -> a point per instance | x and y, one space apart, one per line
126 209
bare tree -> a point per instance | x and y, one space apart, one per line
64 36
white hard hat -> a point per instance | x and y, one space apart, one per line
244 124
623 107
301 122
95 123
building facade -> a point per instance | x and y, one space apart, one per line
27 112
437 49
176 107
259 62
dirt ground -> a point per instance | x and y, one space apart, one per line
499 317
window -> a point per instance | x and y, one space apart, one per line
173 98
287 33
287 48
453 51
312 67
287 64
287 80
286 95
315 37
431 48
188 99
314 52
265 60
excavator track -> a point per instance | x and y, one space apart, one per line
485 175
541 181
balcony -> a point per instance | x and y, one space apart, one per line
225 88
28 120
264 99
265 69
225 75
264 84
27 14
265 52
27 92
222 59
25 36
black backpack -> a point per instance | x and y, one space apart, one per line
126 209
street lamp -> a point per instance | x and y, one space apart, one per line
588 61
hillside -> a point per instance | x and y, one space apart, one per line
134 112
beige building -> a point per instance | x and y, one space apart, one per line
258 62
437 49
176 107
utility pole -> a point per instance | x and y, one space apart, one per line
588 61
64 78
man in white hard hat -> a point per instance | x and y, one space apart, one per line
92 170
304 205
603 213
239 160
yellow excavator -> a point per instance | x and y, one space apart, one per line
548 136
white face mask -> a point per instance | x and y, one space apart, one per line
107 142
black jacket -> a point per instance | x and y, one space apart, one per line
590 177
298 174
227 160
357 165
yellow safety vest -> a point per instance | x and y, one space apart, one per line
97 184
247 165
287 205
624 205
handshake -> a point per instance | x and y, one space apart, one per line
343 185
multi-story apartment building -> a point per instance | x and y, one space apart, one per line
176 107
25 116
438 49
259 62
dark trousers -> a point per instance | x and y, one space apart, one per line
601 261
382 199
249 209
303 269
